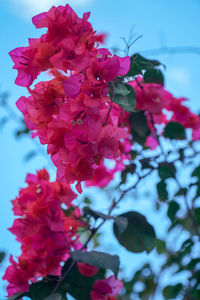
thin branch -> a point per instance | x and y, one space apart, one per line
173 50
94 230
129 45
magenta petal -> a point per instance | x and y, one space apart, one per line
79 187
151 142
124 65
110 68
72 85
40 20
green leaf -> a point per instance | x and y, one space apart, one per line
2 256
174 130
121 223
22 132
42 289
172 210
196 172
161 246
133 154
181 192
98 259
198 190
124 97
96 239
139 127
162 190
121 89
69 211
181 154
154 76
77 285
54 297
172 291
166 170
146 163
138 236
192 264
18 296
140 63
197 215
124 175
87 201
130 169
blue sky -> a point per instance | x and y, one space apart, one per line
162 23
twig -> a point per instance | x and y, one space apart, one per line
94 230
128 46
173 50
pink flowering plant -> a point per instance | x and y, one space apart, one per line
99 114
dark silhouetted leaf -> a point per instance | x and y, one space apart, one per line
154 76
54 297
196 172
162 190
172 291
166 170
139 127
42 289
130 169
140 63
197 215
172 210
160 246
2 256
138 236
175 131
98 259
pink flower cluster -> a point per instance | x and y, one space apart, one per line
72 113
162 107
45 233
66 45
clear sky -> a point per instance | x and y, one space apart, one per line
162 23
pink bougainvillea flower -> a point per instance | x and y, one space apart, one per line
106 289
71 113
150 97
46 234
66 45
161 107
73 128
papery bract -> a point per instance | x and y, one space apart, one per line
106 289
45 233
